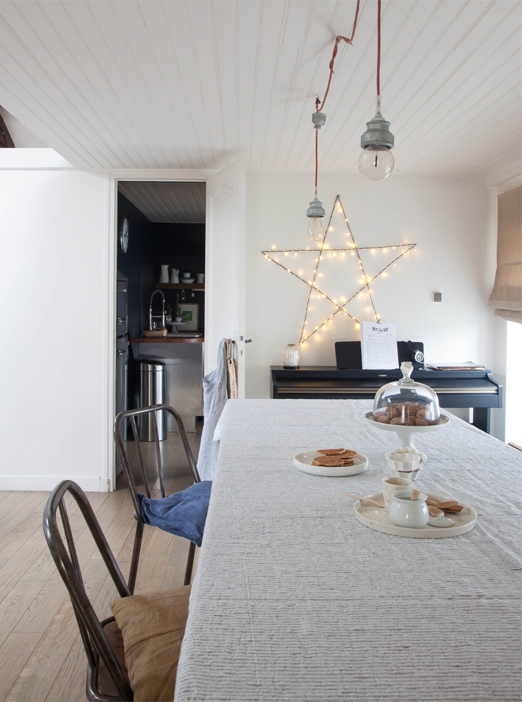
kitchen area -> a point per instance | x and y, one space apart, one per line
161 295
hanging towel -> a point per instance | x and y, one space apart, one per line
231 371
215 397
184 513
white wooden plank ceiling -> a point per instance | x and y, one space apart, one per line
183 203
196 83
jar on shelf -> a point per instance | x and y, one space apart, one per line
291 359
406 402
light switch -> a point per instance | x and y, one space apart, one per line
437 297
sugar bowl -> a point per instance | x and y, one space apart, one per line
408 509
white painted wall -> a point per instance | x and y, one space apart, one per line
57 296
224 264
448 218
54 319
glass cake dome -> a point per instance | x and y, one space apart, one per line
406 403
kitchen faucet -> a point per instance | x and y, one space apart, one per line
157 316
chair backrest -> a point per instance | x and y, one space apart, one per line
155 466
56 525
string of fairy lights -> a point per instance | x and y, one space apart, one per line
320 253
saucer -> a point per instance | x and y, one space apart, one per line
303 461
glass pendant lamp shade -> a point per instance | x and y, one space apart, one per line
315 214
315 229
376 163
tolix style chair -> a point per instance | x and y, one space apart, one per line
135 653
182 513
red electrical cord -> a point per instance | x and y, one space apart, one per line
320 105
378 47
338 39
316 158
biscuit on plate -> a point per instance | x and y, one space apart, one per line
333 461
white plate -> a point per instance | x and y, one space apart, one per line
303 461
377 518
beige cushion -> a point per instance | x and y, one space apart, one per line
153 626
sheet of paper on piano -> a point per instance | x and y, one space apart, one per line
379 346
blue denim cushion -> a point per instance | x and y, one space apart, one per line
183 513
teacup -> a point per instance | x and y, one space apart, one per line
390 486
405 512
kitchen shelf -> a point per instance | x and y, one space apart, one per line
180 286
169 340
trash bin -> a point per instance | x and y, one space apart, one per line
152 385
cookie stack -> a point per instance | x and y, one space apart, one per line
410 414
333 458
436 506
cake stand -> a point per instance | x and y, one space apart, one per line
406 434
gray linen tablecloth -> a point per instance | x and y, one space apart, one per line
296 600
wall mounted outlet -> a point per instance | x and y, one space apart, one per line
437 297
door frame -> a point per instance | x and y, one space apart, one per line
135 174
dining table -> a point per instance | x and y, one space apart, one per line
296 600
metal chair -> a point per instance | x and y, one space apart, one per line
106 674
146 413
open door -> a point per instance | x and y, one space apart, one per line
225 265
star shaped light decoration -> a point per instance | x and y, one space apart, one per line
356 291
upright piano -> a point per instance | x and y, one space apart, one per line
468 388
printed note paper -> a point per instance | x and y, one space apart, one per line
379 346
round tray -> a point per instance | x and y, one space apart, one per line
406 435
377 518
303 461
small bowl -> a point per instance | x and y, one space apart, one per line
188 280
185 275
405 462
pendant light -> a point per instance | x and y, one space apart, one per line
315 212
376 161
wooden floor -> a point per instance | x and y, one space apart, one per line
41 654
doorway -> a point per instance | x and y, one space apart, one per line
161 267
224 282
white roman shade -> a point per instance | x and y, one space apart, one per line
506 297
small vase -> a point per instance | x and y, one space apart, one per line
164 275
174 276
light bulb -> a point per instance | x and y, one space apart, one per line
315 214
376 164
315 229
